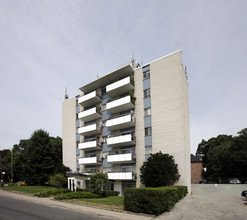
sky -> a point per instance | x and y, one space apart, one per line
49 45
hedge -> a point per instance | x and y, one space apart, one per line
76 195
107 193
52 193
153 200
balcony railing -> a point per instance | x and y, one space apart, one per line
121 175
120 87
90 145
121 122
90 114
122 140
121 104
89 99
90 160
92 129
121 158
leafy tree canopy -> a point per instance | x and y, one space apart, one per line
225 156
98 182
159 170
35 159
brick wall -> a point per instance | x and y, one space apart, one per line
196 172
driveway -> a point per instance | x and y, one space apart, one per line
208 207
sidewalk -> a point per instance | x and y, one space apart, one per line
123 215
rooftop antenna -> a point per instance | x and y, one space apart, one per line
66 94
133 61
185 71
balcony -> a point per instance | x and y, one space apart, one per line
90 160
121 158
89 130
89 99
126 121
120 105
120 87
94 145
122 140
121 176
90 114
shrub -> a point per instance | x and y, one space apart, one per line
98 182
152 200
107 193
76 195
58 180
83 190
159 170
52 193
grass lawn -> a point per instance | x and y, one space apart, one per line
29 189
112 202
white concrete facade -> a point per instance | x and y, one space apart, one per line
140 111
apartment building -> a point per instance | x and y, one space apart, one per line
119 119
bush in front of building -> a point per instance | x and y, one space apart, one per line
52 193
153 200
107 193
58 180
159 170
77 195
98 182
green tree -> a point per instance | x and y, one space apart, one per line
98 182
225 156
40 158
159 170
58 180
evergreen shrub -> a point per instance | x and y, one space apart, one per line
153 200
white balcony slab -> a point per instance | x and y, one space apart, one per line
121 122
119 87
89 99
89 145
120 105
120 158
89 115
120 176
89 160
121 140
89 130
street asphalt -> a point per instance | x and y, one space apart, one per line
189 208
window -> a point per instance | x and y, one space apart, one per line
146 74
146 93
127 169
126 151
148 131
147 112
148 150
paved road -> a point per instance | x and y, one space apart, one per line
193 207
17 209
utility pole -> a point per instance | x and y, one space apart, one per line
12 166
1 170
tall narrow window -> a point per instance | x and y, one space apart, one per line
146 93
148 131
147 112
148 150
146 74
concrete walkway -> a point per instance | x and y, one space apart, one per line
189 208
